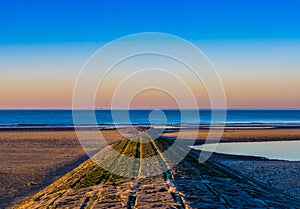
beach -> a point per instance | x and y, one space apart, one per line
33 160
252 134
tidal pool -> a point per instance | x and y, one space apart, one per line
279 150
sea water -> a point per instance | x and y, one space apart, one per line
234 118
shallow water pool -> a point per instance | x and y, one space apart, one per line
279 150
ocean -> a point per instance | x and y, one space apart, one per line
63 118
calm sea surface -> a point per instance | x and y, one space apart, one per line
235 118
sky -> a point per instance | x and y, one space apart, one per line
254 46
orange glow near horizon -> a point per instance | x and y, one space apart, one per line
239 94
264 78
36 94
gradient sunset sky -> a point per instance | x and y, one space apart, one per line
254 45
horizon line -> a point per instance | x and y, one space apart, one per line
258 108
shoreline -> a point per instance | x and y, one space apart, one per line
167 129
238 135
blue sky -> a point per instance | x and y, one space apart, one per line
255 45
93 21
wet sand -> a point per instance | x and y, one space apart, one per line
244 135
283 176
